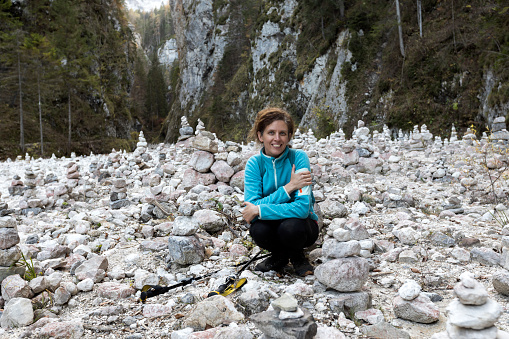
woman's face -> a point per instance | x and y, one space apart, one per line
275 137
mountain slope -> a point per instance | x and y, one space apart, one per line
331 63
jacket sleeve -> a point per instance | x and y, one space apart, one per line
300 204
253 186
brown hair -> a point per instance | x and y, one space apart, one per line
266 117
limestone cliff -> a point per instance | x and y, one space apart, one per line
330 65
210 43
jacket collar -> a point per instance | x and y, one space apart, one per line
278 159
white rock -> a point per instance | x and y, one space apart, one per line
17 313
85 285
409 290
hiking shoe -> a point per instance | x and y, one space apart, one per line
301 265
273 263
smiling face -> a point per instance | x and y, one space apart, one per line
274 138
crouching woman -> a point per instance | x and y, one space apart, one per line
278 196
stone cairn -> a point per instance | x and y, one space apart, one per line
140 153
17 187
454 135
200 126
9 249
30 184
210 164
297 141
73 175
113 162
118 196
472 314
285 319
94 168
361 133
420 139
499 131
411 304
3 207
185 131
501 277
343 269
469 137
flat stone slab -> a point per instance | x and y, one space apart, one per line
113 290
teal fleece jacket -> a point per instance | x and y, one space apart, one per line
264 181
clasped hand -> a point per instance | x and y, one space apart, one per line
297 181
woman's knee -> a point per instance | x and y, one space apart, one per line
298 233
293 230
262 234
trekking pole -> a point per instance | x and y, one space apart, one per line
149 291
232 282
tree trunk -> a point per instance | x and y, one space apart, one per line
400 30
419 16
323 32
40 112
69 138
453 28
21 127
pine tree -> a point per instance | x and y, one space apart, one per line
42 60
156 105
76 56
10 61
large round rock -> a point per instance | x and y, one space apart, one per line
186 250
344 274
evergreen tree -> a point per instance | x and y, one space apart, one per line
156 106
42 57
10 63
70 39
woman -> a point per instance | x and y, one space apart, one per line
278 196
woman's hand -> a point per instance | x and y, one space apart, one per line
249 212
298 180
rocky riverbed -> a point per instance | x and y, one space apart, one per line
413 241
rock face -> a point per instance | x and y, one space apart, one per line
198 34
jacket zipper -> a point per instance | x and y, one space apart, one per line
275 174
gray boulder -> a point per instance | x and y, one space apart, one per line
18 312
344 274
185 250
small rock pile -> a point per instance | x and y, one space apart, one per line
343 269
501 277
285 319
118 196
4 208
140 153
17 187
30 184
411 304
499 131
185 247
185 131
73 175
9 250
472 314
